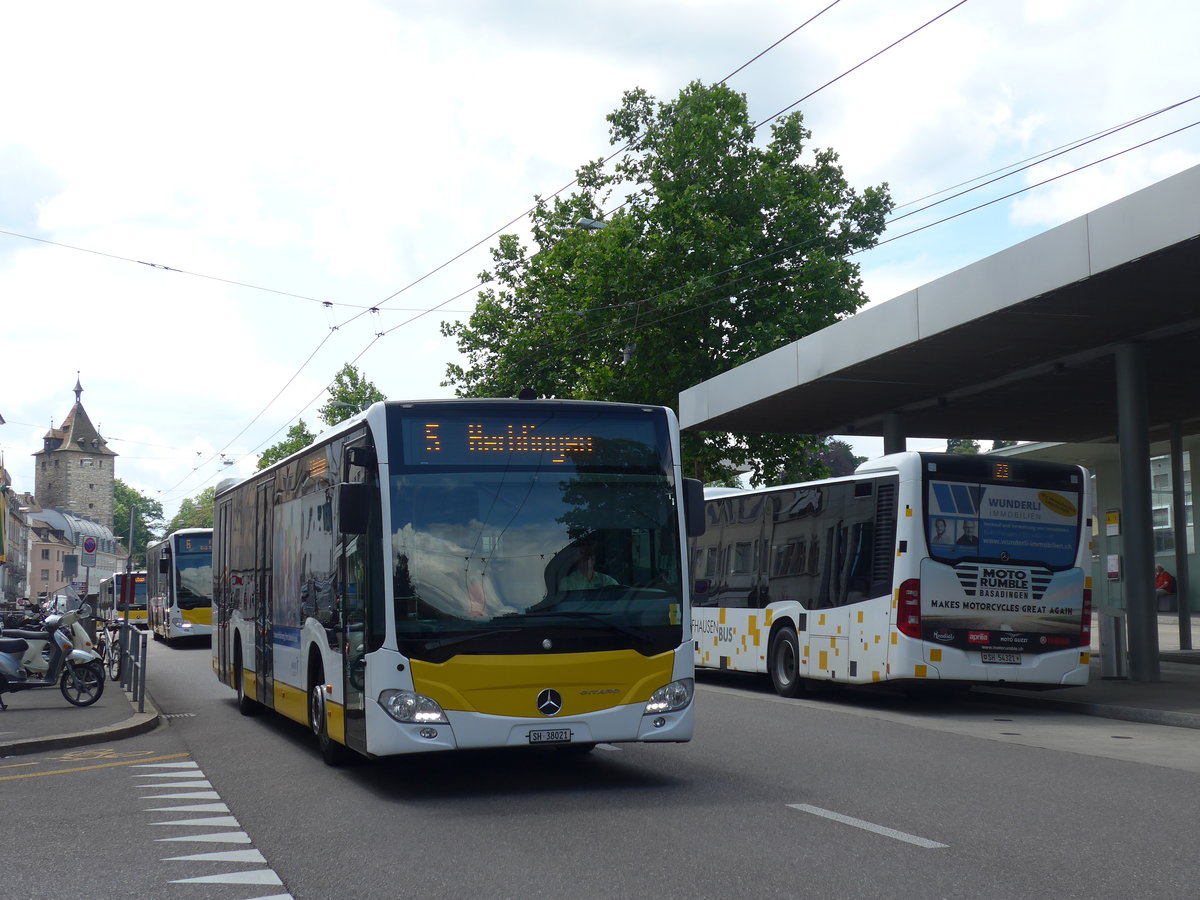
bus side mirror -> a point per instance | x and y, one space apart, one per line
363 457
693 506
354 507
164 565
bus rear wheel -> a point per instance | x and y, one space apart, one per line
784 664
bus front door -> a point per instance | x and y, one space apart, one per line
263 641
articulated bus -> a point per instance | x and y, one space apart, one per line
921 568
438 575
114 600
179 585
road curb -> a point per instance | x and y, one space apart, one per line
138 723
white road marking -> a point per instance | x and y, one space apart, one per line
190 795
191 807
175 765
249 855
223 821
868 826
159 785
258 876
244 856
225 837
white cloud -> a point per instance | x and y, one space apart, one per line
343 153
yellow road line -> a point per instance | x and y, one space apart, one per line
19 765
127 762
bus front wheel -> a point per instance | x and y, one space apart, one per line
246 706
785 664
332 752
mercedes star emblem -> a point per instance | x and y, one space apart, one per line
549 702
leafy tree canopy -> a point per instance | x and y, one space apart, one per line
351 393
962 445
194 512
840 458
147 519
1001 444
721 250
297 438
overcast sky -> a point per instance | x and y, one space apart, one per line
294 164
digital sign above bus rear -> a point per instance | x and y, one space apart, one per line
554 441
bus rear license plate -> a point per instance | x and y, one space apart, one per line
1008 659
555 736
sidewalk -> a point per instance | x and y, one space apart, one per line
43 720
1175 700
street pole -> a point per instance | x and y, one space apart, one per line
132 588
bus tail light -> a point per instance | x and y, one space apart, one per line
908 608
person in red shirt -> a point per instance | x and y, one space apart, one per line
1164 589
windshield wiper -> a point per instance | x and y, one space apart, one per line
595 617
463 638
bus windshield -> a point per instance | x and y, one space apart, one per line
539 546
139 587
193 568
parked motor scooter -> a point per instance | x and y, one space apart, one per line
36 632
69 660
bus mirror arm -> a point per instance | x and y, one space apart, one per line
693 506
164 565
354 506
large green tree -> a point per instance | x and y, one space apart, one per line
962 445
297 438
147 519
194 512
351 393
721 249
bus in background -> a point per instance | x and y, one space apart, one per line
439 575
923 568
179 585
114 601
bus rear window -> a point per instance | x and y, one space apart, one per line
1002 523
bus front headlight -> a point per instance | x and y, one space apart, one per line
411 708
671 697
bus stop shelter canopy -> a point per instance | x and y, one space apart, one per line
1019 346
1086 334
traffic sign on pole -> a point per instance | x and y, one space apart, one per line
89 552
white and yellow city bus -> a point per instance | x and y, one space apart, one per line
115 603
179 585
922 568
418 579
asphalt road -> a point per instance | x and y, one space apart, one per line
846 795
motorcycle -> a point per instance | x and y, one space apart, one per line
59 653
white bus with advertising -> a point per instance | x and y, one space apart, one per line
921 568
438 575
179 585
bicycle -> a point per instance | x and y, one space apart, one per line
110 651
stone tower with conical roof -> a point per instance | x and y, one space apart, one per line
73 471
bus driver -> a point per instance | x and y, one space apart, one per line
582 576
